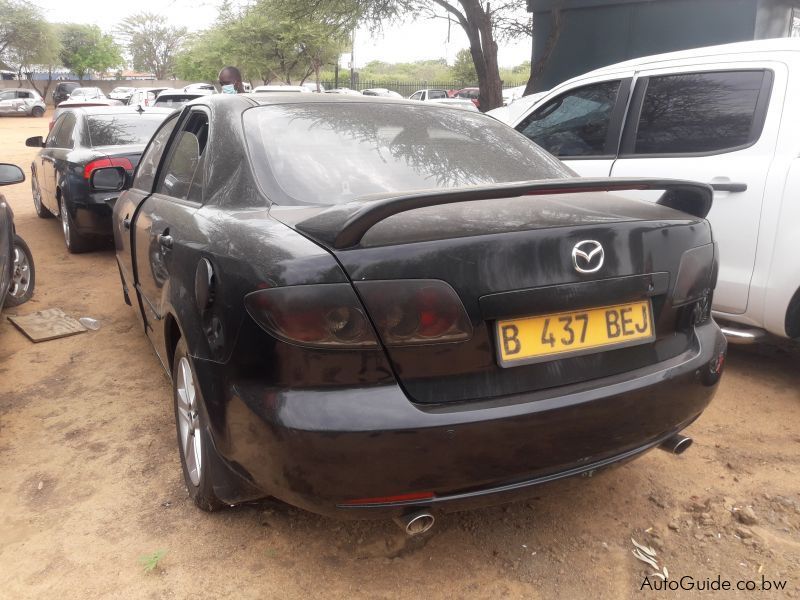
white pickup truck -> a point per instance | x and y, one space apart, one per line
725 115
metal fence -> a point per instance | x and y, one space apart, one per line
406 88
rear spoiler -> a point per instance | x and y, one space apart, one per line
343 225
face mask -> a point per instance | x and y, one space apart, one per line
229 89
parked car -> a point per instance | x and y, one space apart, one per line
87 93
62 91
723 115
145 97
21 102
424 95
122 93
381 92
175 98
272 89
204 88
81 141
17 272
68 104
343 91
414 327
470 93
311 86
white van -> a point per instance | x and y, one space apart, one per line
720 115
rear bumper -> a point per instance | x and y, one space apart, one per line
92 216
323 449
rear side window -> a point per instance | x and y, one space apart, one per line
700 112
63 138
183 172
576 123
436 94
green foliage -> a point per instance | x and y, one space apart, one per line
152 42
17 18
464 69
264 41
150 561
85 48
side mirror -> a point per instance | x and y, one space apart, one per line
36 141
10 174
108 179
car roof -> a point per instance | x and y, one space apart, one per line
243 101
737 48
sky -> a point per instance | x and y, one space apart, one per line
407 42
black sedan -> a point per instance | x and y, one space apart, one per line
17 275
81 141
374 307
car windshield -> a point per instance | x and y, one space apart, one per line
325 153
123 129
174 100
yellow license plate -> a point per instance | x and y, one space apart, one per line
547 337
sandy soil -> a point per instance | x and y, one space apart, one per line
90 481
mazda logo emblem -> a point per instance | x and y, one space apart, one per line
588 256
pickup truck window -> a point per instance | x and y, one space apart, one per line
699 112
576 122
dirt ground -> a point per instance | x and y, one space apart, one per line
90 482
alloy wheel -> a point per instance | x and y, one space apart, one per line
65 223
21 274
189 421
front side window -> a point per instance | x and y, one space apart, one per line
183 172
416 96
699 112
146 171
332 153
576 123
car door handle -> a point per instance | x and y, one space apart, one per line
729 187
165 240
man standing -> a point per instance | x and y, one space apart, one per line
230 79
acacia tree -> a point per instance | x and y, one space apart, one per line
85 48
38 51
17 19
152 43
483 22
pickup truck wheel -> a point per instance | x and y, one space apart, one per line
194 442
41 211
23 274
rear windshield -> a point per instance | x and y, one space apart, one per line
321 153
122 130
172 101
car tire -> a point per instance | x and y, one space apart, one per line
37 111
41 211
23 274
75 242
191 423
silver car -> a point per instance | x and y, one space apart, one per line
19 101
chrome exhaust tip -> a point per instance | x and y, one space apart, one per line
676 444
415 523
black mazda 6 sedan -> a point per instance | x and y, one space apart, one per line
81 141
370 307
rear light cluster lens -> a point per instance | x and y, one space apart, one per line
695 275
327 315
415 311
106 162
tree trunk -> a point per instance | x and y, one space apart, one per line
537 66
483 48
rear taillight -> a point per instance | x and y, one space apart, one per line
325 315
415 311
106 162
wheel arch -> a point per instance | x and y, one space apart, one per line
792 323
172 335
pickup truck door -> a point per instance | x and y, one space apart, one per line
130 200
718 126
581 124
